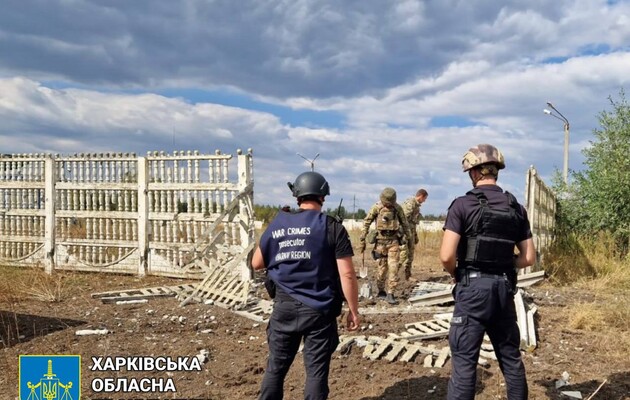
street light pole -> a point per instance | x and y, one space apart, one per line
565 121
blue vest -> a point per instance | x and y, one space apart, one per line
299 259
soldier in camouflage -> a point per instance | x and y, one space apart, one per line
411 208
391 232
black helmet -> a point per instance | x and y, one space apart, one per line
309 183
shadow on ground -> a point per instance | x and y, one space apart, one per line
18 328
414 388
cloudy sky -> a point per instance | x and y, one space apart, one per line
388 93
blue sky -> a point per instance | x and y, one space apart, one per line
388 93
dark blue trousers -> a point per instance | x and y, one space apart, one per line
289 324
485 305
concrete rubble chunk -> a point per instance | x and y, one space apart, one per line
203 356
86 332
574 394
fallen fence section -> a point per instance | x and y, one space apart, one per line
432 293
223 285
142 294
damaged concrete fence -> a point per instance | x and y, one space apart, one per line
178 215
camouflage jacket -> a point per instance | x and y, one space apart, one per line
411 208
373 213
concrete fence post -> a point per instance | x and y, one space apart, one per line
143 216
245 220
50 179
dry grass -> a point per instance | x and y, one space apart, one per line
609 320
9 292
574 259
47 288
31 283
426 252
592 265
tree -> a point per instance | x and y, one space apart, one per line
599 197
265 213
360 214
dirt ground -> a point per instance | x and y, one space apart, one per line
237 348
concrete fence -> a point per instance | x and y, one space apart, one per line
540 202
174 214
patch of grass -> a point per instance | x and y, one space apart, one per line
609 318
12 277
20 283
43 287
592 261
592 264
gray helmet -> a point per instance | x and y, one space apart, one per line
388 196
309 183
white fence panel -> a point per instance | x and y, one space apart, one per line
540 203
121 213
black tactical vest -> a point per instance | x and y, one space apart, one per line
490 245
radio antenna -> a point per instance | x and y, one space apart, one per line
312 162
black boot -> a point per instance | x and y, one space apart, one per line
381 294
391 299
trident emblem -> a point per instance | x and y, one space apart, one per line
49 391
48 386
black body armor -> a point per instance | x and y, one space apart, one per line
490 245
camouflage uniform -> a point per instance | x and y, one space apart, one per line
411 208
388 242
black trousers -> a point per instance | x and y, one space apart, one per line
485 305
290 322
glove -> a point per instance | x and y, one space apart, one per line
362 246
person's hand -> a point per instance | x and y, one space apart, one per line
352 321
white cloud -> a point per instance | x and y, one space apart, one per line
86 77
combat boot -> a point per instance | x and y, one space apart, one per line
391 299
407 274
381 294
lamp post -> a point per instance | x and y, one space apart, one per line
565 121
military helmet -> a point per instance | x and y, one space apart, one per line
309 183
482 154
388 196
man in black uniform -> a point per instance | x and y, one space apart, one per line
308 257
477 249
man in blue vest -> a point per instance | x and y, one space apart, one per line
480 233
308 257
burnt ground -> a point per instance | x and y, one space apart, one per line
237 349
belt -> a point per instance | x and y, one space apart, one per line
472 274
479 274
388 233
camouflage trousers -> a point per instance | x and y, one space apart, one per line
406 255
387 274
